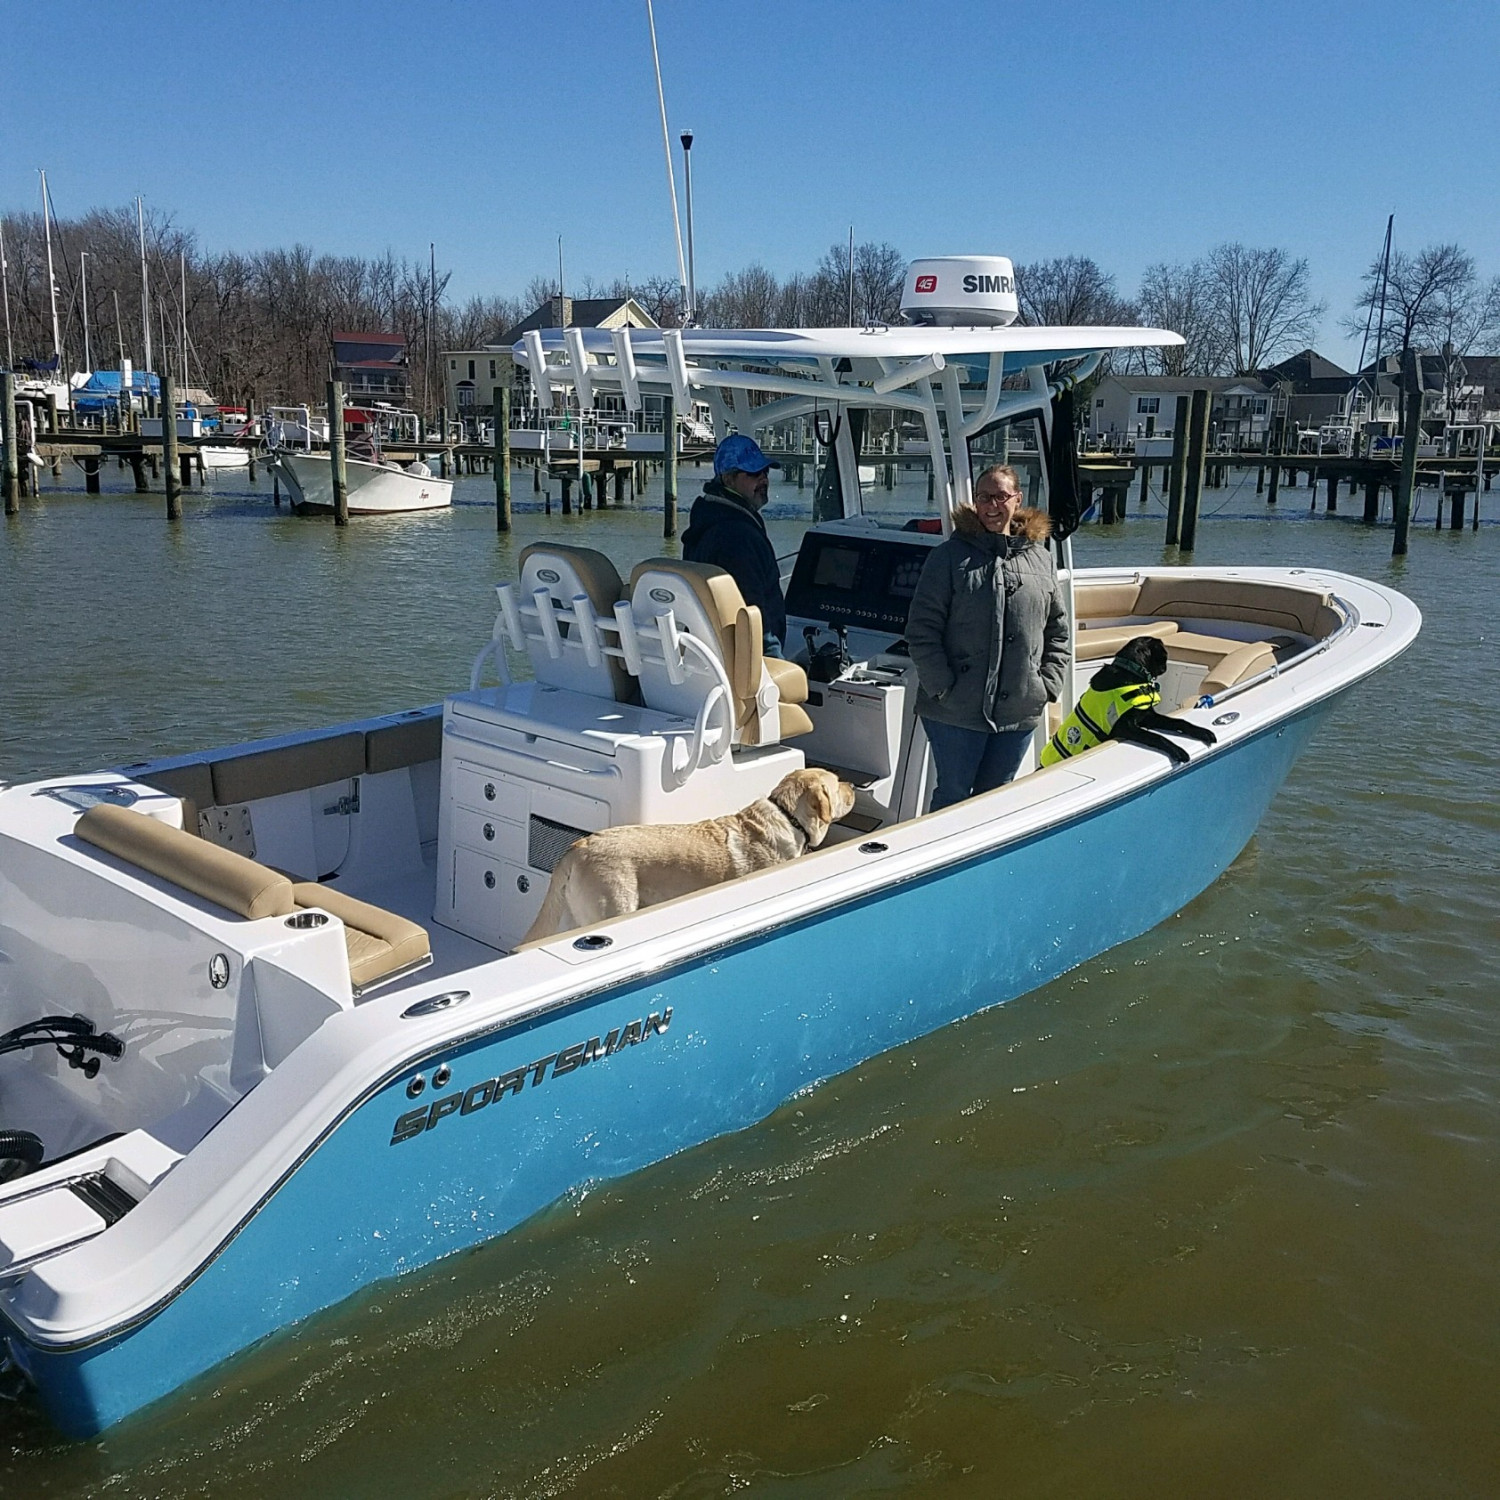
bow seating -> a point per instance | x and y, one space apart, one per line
767 693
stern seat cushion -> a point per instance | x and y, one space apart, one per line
378 941
219 875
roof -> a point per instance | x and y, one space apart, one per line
587 312
1306 365
1218 384
370 338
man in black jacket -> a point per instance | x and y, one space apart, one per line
725 529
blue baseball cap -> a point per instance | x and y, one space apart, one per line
738 452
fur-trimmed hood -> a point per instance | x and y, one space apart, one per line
1030 525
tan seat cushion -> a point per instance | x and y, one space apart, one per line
1106 640
600 581
790 679
1106 601
1252 658
410 743
289 768
219 875
378 941
793 719
1274 605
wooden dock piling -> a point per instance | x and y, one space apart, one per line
91 467
1177 472
1192 493
1411 437
502 458
337 457
10 470
669 468
170 459
567 495
1372 502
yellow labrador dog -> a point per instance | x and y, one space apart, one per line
623 869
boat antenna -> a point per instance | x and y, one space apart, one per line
666 146
10 352
562 286
687 176
140 224
851 276
119 336
51 275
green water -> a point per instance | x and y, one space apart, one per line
1214 1214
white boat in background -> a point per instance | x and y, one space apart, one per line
215 457
375 489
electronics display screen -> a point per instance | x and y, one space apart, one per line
856 580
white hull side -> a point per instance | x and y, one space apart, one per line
373 489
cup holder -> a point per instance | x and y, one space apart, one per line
303 920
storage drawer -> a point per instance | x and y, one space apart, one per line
493 836
489 792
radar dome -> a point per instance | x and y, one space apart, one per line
960 291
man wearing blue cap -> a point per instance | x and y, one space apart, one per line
725 529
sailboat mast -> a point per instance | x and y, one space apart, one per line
83 276
140 224
51 274
182 327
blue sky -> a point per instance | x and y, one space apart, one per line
1131 133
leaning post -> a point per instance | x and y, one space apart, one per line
171 461
11 480
669 475
337 457
502 458
1411 438
1192 490
1177 471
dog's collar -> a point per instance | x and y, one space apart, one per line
794 820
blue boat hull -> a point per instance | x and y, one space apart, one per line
749 1026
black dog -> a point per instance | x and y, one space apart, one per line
1120 703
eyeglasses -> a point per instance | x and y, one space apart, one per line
1005 497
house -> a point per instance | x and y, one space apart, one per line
471 376
372 366
1126 407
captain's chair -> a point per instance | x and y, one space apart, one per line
562 573
706 602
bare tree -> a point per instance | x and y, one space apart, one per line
879 271
1263 306
1181 298
1069 291
1415 290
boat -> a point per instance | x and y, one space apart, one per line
269 1029
376 488
223 456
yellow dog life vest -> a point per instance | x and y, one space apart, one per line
1097 713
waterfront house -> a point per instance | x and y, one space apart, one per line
1124 408
372 367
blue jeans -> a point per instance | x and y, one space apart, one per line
971 761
